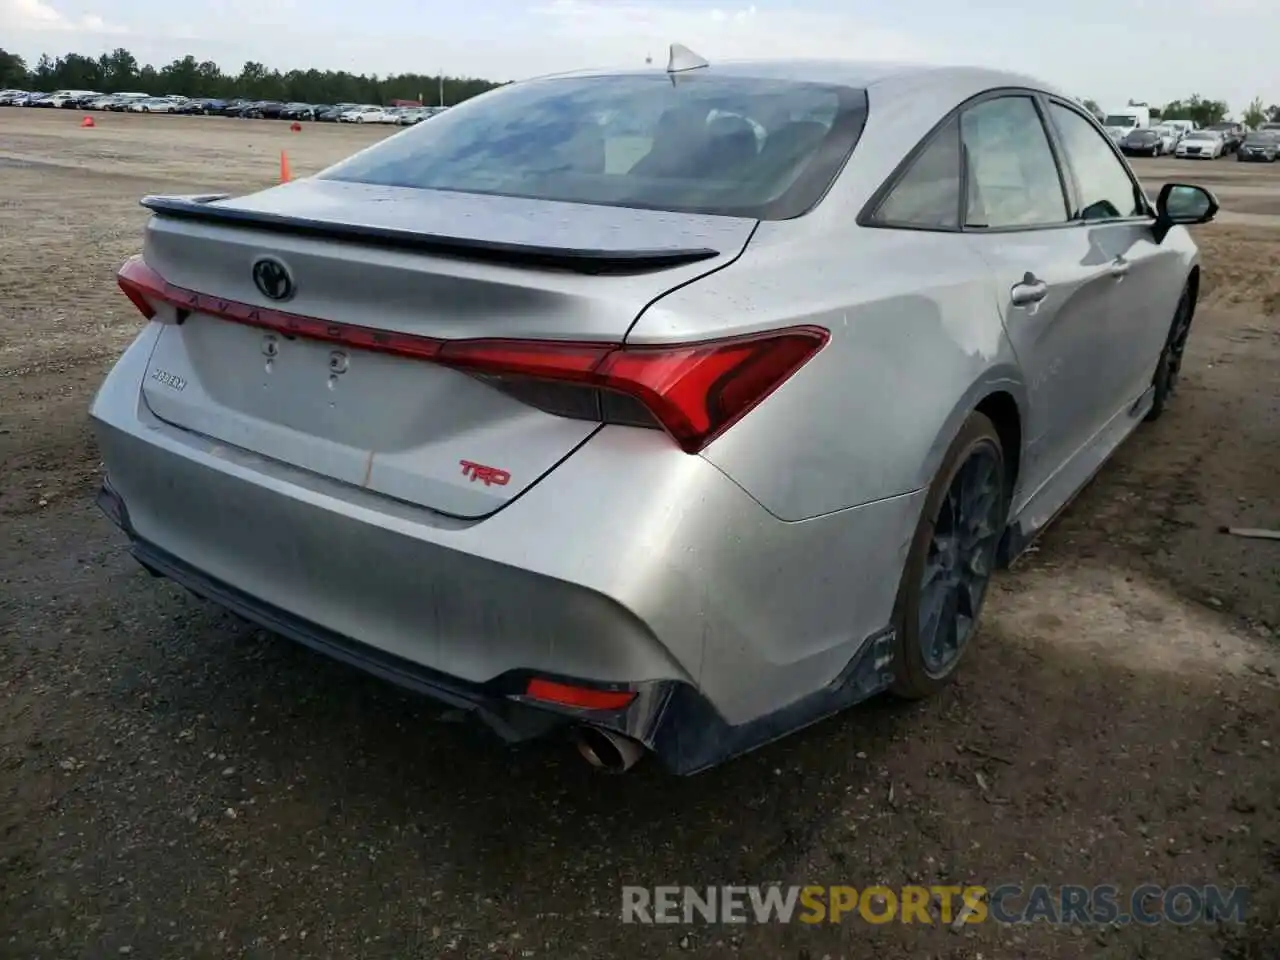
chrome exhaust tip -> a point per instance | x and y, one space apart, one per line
608 751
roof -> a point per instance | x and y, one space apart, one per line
864 74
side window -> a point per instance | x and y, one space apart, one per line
928 195
1106 189
1013 179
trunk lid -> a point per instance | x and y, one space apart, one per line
441 265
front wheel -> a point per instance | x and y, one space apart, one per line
950 561
1169 365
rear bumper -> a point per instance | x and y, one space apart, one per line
666 578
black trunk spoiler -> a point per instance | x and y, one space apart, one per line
203 208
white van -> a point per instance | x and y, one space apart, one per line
1122 122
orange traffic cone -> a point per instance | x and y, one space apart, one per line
87 122
296 127
285 175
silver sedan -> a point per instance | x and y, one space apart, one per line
674 408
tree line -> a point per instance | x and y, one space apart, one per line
1204 111
119 72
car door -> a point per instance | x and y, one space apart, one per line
1112 211
1054 286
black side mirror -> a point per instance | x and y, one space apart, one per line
1183 203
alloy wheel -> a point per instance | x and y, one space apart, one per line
960 559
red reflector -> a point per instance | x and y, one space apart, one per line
584 697
696 391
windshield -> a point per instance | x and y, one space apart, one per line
1143 134
1201 135
1263 136
1120 120
736 146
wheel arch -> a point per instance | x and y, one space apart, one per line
1193 286
1001 396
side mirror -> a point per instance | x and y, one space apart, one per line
1183 203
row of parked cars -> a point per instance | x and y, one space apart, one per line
1188 142
245 109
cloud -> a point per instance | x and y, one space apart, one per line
36 16
607 32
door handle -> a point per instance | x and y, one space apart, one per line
1029 291
1119 267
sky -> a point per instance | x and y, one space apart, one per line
1107 50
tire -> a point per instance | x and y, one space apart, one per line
1169 365
976 453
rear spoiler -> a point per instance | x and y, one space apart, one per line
202 208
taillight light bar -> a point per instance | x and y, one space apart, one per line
694 391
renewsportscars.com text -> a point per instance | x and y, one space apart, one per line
1104 904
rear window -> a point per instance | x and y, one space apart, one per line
737 146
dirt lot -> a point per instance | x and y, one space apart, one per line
174 784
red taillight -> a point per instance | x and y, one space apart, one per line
136 279
695 391
585 698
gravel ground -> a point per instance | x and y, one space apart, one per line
174 783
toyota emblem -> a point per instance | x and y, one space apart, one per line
272 278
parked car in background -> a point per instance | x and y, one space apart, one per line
153 105
259 110
367 114
70 98
10 98
120 101
1169 136
679 455
412 115
1144 142
300 111
1182 126
1260 146
200 106
1201 145
1232 134
334 113
265 110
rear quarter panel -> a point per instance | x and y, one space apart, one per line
916 342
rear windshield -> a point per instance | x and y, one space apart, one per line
760 148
